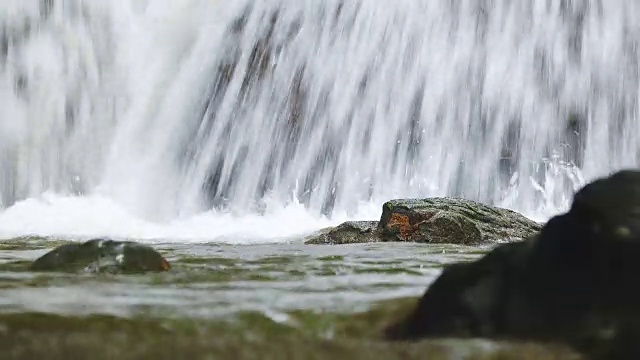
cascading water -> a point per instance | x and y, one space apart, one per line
175 118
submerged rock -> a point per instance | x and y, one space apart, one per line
100 255
350 232
575 282
452 221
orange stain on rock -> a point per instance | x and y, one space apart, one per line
164 265
401 224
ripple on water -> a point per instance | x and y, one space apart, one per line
212 280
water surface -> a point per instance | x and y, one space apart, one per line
213 280
274 301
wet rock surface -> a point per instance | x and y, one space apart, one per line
433 221
101 255
576 282
452 221
350 232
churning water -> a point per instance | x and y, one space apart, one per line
264 119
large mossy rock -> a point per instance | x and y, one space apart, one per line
350 232
452 221
576 282
433 221
100 255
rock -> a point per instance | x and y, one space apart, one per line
576 282
350 232
100 255
465 299
452 221
433 220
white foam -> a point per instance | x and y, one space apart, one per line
79 218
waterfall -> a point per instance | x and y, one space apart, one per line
174 108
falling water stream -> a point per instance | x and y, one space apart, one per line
157 112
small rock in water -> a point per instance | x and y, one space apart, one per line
101 255
350 232
575 282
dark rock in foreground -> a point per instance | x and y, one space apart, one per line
350 232
452 221
434 221
577 282
101 255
